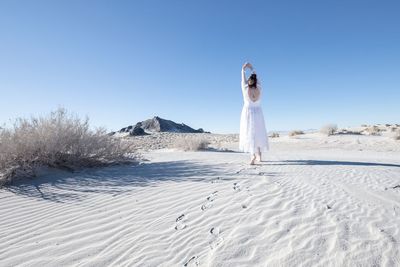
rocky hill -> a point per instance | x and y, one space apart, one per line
158 124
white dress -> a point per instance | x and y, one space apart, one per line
253 134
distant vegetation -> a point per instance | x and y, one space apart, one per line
58 140
274 135
329 129
397 135
295 132
191 143
373 130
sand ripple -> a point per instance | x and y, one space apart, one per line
209 209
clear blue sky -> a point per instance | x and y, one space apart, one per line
120 62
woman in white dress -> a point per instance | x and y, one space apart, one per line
253 135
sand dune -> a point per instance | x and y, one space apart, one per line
304 206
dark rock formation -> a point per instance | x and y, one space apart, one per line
158 124
137 130
126 129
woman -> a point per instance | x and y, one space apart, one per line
253 135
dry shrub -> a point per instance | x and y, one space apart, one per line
274 135
58 140
329 129
296 132
373 130
191 143
397 135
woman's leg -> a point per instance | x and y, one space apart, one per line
253 158
259 154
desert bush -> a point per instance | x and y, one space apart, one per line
397 135
295 132
274 135
329 129
58 140
373 130
191 143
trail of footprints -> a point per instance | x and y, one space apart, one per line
215 233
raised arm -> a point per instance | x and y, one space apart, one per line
245 65
243 78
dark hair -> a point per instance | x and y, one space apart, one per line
252 82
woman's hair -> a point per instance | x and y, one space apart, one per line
252 81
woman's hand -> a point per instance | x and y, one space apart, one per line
247 65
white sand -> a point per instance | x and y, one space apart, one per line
316 201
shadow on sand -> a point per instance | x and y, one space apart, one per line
62 186
329 162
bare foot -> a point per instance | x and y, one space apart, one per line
252 160
259 158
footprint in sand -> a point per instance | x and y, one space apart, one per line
209 201
193 261
206 206
212 196
236 187
216 239
180 222
215 231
